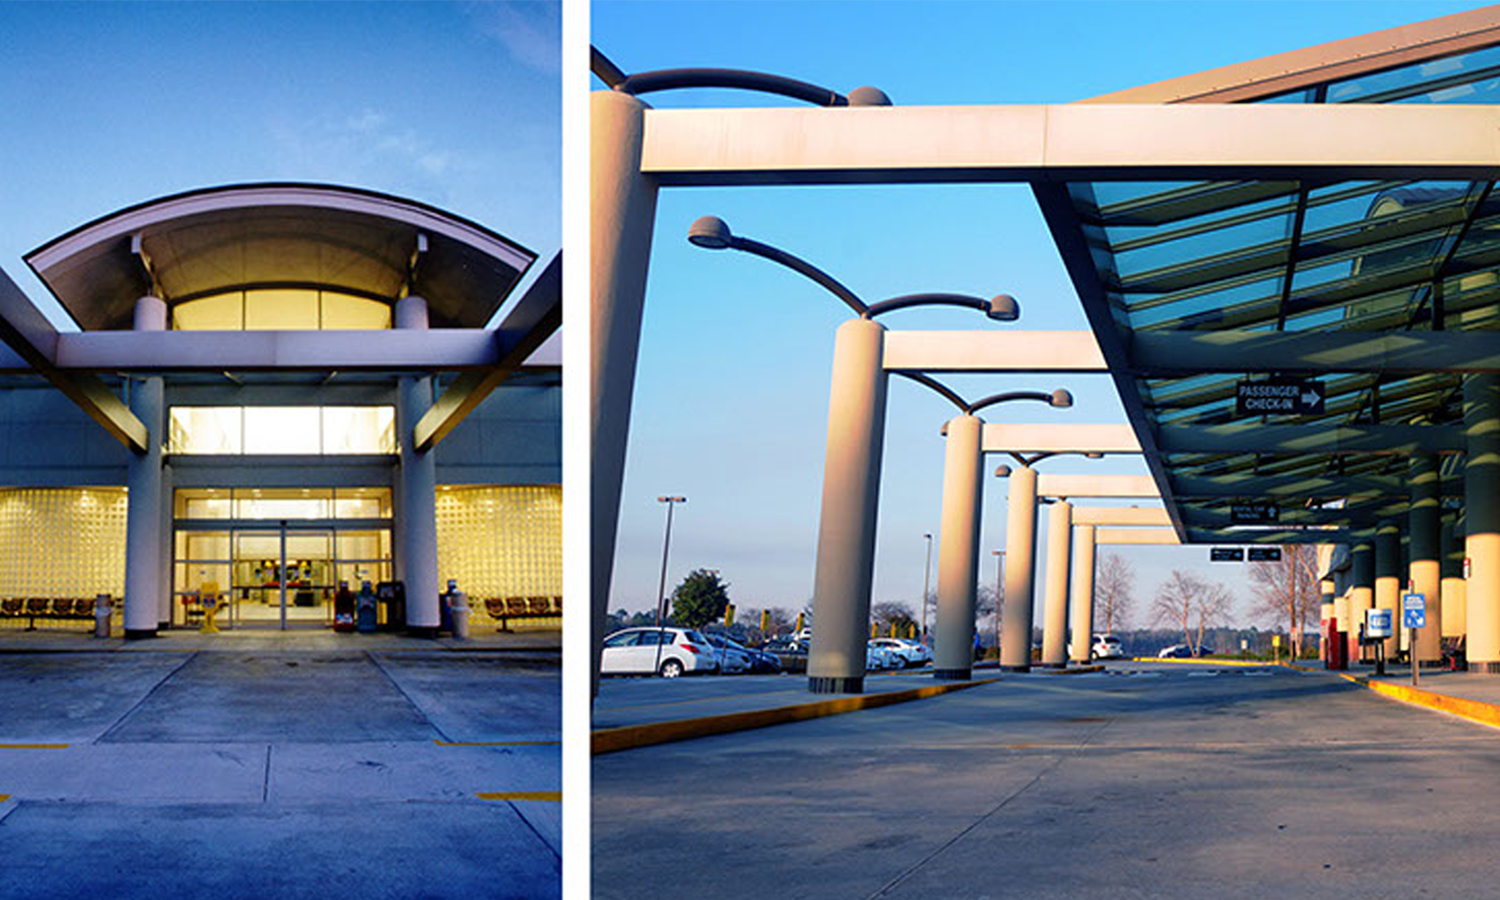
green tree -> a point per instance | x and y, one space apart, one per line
699 599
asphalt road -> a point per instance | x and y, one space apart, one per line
1146 781
282 773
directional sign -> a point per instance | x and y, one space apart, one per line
1414 610
1265 554
1279 396
1378 623
1226 554
1253 513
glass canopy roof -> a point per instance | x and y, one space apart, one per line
1308 256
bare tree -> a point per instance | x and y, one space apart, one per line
1192 604
1288 591
1113 590
887 613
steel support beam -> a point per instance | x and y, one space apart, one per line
992 351
1250 485
525 328
1253 437
1172 353
934 144
1271 536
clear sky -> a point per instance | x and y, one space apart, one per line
110 104
731 395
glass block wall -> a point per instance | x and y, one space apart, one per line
501 541
62 542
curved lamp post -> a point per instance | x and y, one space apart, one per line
623 202
963 490
851 468
1020 575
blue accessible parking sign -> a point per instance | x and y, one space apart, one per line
1414 610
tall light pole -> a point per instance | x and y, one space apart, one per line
661 588
999 596
851 470
926 584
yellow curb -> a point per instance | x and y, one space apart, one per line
1473 710
34 746
543 796
496 743
609 740
1246 663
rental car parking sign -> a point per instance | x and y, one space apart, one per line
1279 396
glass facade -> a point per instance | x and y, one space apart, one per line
62 542
289 430
280 309
501 541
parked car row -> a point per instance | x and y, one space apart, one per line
671 652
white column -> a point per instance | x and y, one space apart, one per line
846 525
1082 593
416 479
1055 625
1020 554
622 214
958 553
1482 512
144 572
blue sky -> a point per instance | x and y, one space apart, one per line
110 104
731 395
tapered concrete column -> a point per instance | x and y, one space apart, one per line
145 577
1082 592
1482 510
416 485
622 214
1020 556
1361 592
958 551
1055 625
1425 547
1388 579
846 525
1455 609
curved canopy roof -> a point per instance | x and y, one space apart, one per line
244 237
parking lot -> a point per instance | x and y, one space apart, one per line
1146 780
280 773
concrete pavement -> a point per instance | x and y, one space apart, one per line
280 773
1145 781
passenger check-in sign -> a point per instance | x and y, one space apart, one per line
1279 396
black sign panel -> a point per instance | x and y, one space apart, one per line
1226 554
1253 513
1265 554
1279 396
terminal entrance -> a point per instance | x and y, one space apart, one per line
282 573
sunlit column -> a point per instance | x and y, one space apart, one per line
846 523
1361 591
1455 609
622 213
1388 578
1426 550
1082 592
1055 612
958 549
145 574
1020 577
416 479
1327 609
1482 511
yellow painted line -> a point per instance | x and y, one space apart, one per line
34 746
609 740
1464 708
495 743
543 796
1247 663
4 797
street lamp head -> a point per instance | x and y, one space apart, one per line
1061 399
710 233
1004 308
868 96
671 499
1002 471
1093 454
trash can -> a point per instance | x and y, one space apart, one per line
103 613
459 611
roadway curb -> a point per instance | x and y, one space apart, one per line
628 737
1473 710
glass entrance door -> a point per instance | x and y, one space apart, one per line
283 577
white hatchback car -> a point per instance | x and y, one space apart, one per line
910 653
636 651
1106 646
